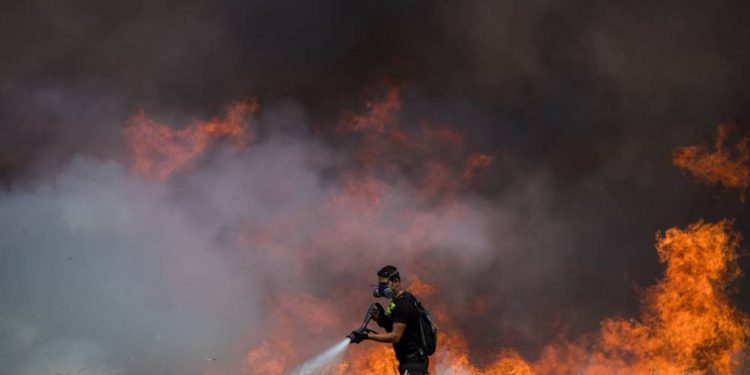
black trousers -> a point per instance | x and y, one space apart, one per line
414 368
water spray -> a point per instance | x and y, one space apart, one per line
323 362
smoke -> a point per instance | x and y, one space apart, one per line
580 105
97 259
241 247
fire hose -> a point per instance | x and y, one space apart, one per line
360 334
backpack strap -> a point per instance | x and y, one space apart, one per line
411 298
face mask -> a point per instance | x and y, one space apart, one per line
382 290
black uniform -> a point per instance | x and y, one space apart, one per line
408 350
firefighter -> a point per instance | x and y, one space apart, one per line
401 323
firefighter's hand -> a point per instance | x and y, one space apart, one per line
377 312
358 335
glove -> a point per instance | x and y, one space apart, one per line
358 335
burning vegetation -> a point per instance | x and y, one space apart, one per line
687 323
687 326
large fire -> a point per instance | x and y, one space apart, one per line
687 323
687 326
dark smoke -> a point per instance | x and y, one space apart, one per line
583 102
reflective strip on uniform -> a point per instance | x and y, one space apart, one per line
390 308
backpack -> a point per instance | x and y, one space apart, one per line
428 332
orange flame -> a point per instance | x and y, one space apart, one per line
379 115
158 151
268 359
419 287
373 359
429 153
688 324
724 166
476 163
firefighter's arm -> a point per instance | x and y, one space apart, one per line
389 337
